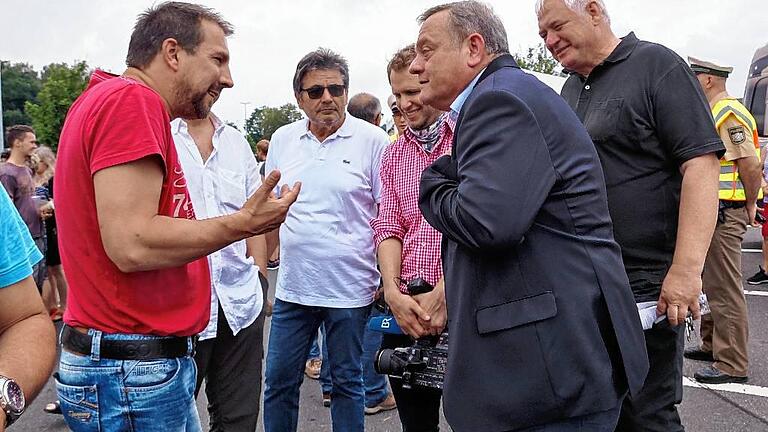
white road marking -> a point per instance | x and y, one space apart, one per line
746 389
752 250
756 293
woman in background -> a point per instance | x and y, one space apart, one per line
55 290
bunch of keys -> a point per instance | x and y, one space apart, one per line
704 307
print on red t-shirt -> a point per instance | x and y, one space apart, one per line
118 120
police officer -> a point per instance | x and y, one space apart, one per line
724 332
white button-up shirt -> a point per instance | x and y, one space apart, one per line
327 255
220 186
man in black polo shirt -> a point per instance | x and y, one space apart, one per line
650 122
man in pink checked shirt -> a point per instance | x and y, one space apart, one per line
408 247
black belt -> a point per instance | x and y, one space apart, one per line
141 349
732 204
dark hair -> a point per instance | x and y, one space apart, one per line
320 59
401 60
469 17
16 132
365 107
180 21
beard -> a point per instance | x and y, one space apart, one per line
192 104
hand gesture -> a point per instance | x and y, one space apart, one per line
264 212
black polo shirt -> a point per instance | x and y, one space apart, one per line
647 115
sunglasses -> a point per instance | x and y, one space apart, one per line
316 92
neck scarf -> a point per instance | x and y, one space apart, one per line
429 137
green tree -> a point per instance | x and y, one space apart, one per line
264 121
538 59
20 83
62 84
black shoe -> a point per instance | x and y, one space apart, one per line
698 354
758 278
713 375
326 399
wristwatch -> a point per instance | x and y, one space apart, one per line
12 400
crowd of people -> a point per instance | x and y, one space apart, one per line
514 204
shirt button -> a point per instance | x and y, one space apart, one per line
586 87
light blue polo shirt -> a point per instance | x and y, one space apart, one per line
18 252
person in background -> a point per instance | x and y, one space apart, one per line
55 288
397 117
16 178
725 331
365 106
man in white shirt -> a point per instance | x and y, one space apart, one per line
327 265
221 174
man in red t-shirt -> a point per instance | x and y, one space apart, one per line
134 253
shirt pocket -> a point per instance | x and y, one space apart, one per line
603 120
231 190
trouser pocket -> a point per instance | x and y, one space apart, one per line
79 405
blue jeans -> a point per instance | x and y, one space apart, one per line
293 328
375 384
107 395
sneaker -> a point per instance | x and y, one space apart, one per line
387 404
273 265
758 278
326 399
312 368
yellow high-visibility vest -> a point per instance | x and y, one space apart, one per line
731 188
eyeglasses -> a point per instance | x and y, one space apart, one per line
316 92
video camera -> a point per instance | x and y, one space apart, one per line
422 364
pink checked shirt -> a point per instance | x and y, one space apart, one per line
399 214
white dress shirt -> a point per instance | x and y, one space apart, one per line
220 186
327 255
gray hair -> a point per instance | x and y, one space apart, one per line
578 6
365 107
469 17
320 59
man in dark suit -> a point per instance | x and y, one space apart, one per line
545 334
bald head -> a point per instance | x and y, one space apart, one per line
365 107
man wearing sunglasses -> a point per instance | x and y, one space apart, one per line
327 265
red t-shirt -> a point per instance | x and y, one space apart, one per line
118 120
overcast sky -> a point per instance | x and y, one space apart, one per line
272 35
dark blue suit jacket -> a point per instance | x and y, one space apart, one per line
542 322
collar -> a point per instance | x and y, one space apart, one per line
344 131
218 125
619 54
720 96
623 49
458 103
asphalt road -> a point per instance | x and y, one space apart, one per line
730 408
